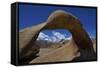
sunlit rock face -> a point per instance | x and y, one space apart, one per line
82 47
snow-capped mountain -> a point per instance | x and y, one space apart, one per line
56 37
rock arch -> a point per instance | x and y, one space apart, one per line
57 20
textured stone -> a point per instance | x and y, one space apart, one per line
58 20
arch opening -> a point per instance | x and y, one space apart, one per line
53 38
60 20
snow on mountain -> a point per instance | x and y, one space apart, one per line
43 36
59 36
69 38
56 37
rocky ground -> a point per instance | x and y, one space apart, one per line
65 53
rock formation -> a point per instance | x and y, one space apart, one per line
58 20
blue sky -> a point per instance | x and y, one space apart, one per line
30 15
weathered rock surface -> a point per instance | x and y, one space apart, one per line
65 53
58 20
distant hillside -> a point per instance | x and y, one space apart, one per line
50 44
93 40
94 43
